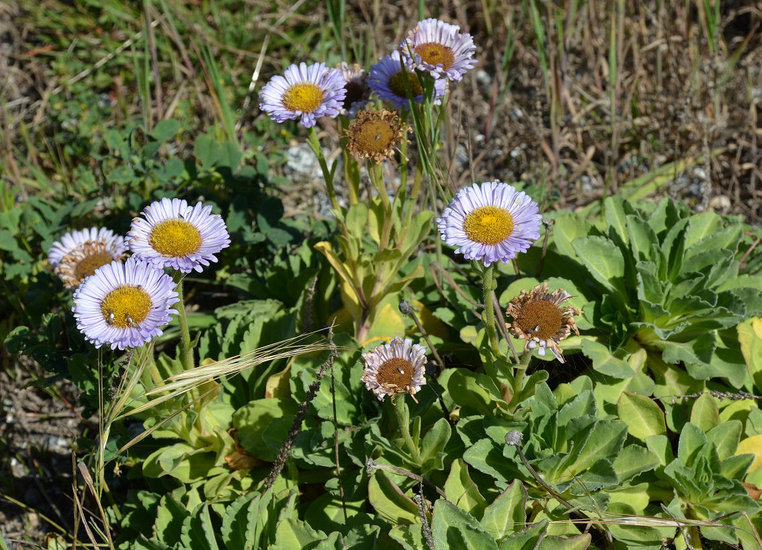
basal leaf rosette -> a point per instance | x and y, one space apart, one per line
79 253
124 305
173 234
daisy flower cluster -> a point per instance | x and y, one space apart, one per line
125 304
433 54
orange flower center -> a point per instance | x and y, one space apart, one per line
488 225
540 318
436 54
396 373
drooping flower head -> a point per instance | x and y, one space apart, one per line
124 305
79 253
173 234
490 222
387 80
305 92
396 367
440 49
375 134
539 318
356 86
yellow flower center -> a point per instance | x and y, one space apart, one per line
175 238
397 84
126 306
540 318
436 54
304 97
488 225
396 373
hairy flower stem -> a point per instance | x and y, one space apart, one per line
403 420
375 172
314 143
518 376
186 351
488 285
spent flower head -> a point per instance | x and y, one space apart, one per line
374 135
440 49
305 92
490 222
356 86
79 253
540 318
123 305
173 234
387 80
396 367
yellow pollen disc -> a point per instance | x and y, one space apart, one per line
126 306
488 225
175 238
304 97
395 373
87 265
541 315
397 84
375 136
436 54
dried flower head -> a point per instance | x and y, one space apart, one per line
490 222
79 253
396 367
440 49
539 318
356 86
304 92
374 135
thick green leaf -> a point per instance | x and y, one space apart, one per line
295 533
389 500
262 425
461 490
633 460
198 531
485 456
604 439
604 361
604 261
528 539
705 413
580 542
642 415
453 528
434 442
506 512
170 516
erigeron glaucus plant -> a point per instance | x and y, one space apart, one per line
394 368
440 49
390 82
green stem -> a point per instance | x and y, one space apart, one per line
519 373
186 351
403 420
377 179
489 309
314 143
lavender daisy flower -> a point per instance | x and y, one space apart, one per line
306 92
490 222
356 86
79 253
440 49
122 305
396 367
174 234
386 79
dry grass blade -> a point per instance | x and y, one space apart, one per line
184 382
